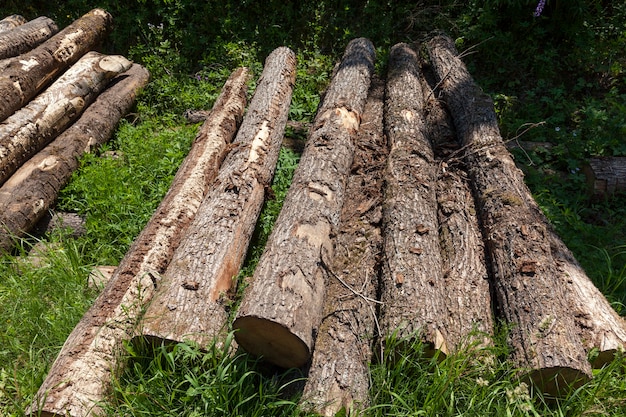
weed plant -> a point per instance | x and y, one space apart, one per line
556 79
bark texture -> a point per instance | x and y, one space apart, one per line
29 73
281 308
11 22
606 175
190 303
25 37
81 374
538 287
31 128
413 305
33 188
339 374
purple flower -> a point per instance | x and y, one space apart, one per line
539 8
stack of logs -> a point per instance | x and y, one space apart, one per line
58 99
404 216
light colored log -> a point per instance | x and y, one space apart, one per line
25 37
11 22
31 128
32 190
282 307
190 303
24 76
80 376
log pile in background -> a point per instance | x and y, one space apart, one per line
42 92
451 223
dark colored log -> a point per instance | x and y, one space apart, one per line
34 187
34 126
190 303
339 375
11 22
80 376
25 37
539 288
25 76
282 307
606 175
412 273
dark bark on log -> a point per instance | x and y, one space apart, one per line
339 373
412 274
538 288
606 175
31 128
26 75
11 22
25 37
190 303
466 280
81 374
281 309
33 188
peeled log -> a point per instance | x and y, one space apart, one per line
539 289
190 302
282 307
25 37
27 74
11 22
339 375
31 128
412 273
33 188
78 380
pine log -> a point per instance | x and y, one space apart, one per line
606 175
339 374
25 37
190 303
282 307
11 22
29 73
31 128
28 194
81 374
412 273
467 294
538 289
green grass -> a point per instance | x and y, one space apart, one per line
563 73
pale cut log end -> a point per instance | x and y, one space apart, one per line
556 381
271 341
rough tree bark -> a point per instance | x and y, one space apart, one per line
281 309
556 311
25 37
82 372
33 188
11 22
32 127
29 73
413 305
467 294
190 303
606 175
339 374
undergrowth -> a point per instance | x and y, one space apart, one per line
557 80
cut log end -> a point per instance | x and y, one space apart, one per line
556 381
271 340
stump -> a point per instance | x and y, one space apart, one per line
79 377
196 285
281 309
